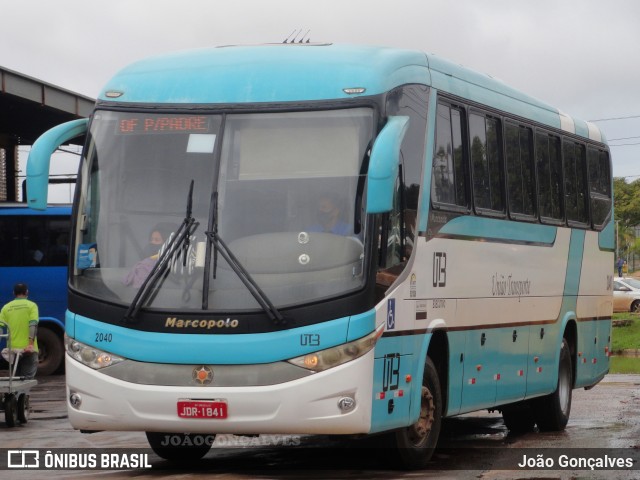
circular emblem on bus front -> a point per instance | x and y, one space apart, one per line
304 259
202 375
303 238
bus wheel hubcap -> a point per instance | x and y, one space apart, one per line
419 431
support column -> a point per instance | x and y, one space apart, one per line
8 168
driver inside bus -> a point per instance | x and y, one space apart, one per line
329 217
141 270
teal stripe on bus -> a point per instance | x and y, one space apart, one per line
228 349
471 227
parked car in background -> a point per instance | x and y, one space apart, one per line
626 295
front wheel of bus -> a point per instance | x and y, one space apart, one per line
552 411
180 447
415 444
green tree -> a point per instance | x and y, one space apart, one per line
626 202
626 197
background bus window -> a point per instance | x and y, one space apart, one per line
34 241
486 163
448 183
575 183
520 173
549 169
10 242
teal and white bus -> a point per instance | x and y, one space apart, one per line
357 241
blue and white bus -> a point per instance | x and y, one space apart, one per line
34 249
357 240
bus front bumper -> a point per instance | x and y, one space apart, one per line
310 405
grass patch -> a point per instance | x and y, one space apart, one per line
627 336
624 365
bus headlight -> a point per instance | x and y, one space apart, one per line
90 356
332 357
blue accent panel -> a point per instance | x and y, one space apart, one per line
70 324
457 341
479 227
423 209
392 411
406 408
383 166
391 352
242 349
574 264
421 344
40 159
606 238
267 73
361 325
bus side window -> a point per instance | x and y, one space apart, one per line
599 186
486 164
449 171
521 181
549 168
575 183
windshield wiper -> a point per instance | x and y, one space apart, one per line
179 240
270 309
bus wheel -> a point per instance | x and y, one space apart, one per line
518 418
50 352
552 411
24 408
415 444
180 447
10 410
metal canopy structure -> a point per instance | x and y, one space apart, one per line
29 107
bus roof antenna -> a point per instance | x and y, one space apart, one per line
286 40
304 36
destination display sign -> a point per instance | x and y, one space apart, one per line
163 124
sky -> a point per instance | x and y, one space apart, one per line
579 56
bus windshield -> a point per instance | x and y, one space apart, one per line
280 189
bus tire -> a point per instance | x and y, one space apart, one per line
415 444
518 417
552 411
10 410
50 351
180 447
24 408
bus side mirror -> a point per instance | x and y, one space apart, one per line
383 165
40 159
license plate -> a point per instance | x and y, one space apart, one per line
202 409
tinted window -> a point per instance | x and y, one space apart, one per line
520 173
448 184
486 163
549 171
599 186
34 241
575 182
